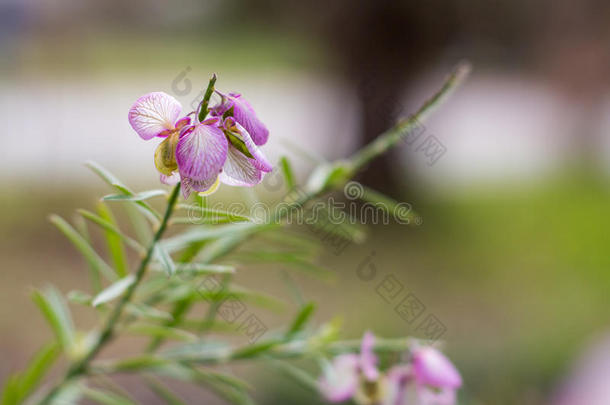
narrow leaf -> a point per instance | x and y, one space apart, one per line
54 309
106 397
38 367
163 392
144 195
113 241
297 374
165 259
162 332
110 227
113 291
97 264
114 182
301 319
288 172
147 312
201 268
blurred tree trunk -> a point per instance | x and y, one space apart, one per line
380 47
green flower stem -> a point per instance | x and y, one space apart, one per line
271 349
80 367
203 111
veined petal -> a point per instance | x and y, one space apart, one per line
205 187
154 113
201 153
245 115
165 155
213 188
239 170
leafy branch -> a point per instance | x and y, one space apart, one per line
141 296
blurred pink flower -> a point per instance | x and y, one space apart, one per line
431 379
589 381
341 379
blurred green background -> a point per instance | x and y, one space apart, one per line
512 253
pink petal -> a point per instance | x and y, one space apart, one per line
154 113
431 367
245 115
368 360
170 180
400 388
239 169
201 152
189 185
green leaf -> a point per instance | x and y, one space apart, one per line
106 397
301 319
68 395
104 174
220 220
226 386
10 391
300 376
114 182
81 226
289 259
254 350
165 259
288 172
200 234
161 331
54 309
113 291
201 350
137 218
110 228
163 392
201 268
401 212
144 195
328 175
148 312
197 212
37 368
79 297
114 241
97 264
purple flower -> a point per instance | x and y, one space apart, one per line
345 377
431 379
236 106
202 154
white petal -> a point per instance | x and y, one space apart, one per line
239 170
154 113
